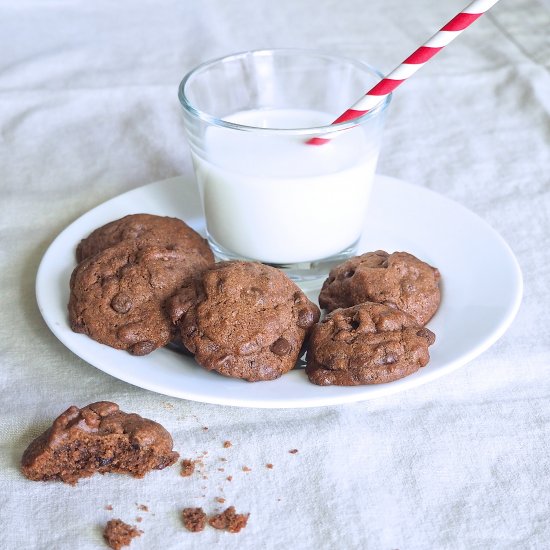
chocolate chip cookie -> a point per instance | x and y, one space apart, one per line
98 438
145 228
243 319
117 296
366 344
398 280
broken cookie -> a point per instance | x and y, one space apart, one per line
98 438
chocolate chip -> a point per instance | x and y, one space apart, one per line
305 318
121 303
78 326
427 334
142 348
388 359
281 347
91 418
349 273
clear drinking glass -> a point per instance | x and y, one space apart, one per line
268 195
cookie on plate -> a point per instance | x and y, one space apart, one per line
366 344
399 280
98 438
117 296
145 228
243 319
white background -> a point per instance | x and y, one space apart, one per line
88 109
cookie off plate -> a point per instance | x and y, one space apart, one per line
481 293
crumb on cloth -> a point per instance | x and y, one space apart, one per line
194 519
229 520
118 534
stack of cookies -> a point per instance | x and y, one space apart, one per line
144 281
374 333
127 270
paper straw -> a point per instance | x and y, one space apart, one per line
422 55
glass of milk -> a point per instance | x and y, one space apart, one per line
267 194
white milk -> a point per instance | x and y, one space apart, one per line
279 200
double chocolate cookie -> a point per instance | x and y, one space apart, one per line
145 228
243 319
398 280
117 295
98 438
366 344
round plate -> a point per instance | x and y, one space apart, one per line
482 288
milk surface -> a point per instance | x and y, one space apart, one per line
278 200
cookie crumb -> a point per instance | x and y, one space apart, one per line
227 444
194 519
118 534
229 478
229 520
139 519
221 469
269 466
246 469
222 459
293 451
187 467
143 508
205 428
221 500
109 507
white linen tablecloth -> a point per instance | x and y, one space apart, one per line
88 109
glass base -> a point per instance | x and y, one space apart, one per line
302 272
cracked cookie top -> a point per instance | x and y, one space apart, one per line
145 228
243 319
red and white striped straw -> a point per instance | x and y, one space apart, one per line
422 55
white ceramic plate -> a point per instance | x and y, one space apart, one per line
482 289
